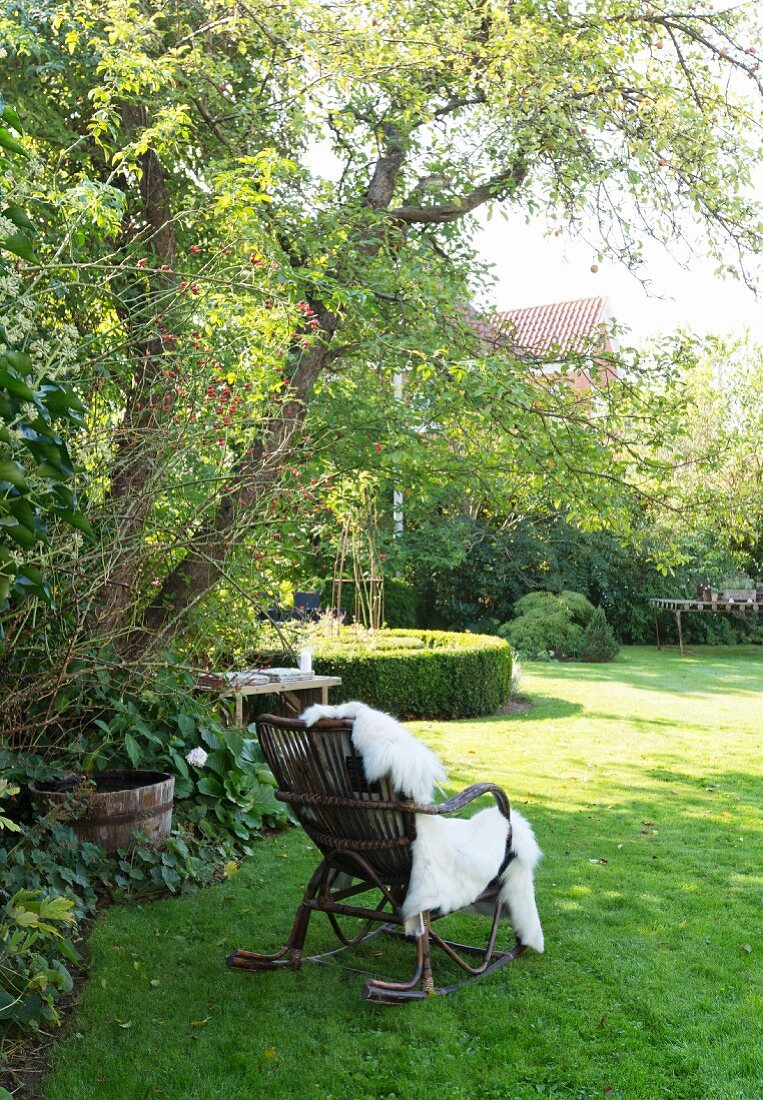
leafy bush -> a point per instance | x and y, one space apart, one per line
234 795
224 800
543 636
401 605
48 857
416 674
578 607
31 946
31 973
156 727
548 625
598 642
36 406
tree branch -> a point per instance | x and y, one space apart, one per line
494 188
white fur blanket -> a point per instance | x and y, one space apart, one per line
453 860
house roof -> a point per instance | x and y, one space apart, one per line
567 325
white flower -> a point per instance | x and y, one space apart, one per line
197 757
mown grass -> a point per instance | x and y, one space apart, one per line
643 781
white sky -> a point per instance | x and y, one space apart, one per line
533 269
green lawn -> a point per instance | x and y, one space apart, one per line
643 781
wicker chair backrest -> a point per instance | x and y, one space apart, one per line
322 761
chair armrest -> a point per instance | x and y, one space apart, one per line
451 806
458 801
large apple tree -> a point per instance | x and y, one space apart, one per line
266 203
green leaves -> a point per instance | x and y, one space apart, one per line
9 142
13 473
35 476
30 981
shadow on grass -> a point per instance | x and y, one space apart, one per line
540 708
645 913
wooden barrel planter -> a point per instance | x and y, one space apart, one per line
118 803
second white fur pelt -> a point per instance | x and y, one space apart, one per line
454 860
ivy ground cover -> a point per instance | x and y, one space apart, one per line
642 779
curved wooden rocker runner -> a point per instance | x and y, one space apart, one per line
365 835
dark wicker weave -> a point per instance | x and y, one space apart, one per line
364 833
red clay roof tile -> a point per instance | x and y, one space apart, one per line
567 325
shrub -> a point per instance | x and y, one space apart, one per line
222 801
538 636
401 605
548 625
578 607
32 946
154 727
416 674
31 974
598 642
401 602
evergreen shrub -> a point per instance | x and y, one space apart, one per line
598 642
548 625
416 673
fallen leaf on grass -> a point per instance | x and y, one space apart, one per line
123 1023
200 1023
598 861
746 947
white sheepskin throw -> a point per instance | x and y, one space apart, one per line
453 860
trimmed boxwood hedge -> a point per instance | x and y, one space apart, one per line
418 673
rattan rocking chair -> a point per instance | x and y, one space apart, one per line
364 833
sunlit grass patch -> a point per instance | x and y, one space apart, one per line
642 779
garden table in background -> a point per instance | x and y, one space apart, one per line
710 602
295 690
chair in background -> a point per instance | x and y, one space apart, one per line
307 605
